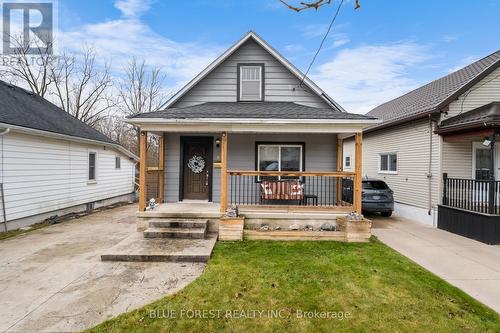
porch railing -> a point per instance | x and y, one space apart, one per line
482 196
297 189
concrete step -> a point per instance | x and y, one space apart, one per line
170 232
177 223
136 248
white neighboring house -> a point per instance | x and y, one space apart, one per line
53 164
436 149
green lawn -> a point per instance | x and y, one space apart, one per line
373 286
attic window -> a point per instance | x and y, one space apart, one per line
251 82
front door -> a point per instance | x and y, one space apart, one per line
196 168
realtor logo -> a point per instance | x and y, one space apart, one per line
27 27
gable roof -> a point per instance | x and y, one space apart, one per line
435 95
21 108
251 110
252 35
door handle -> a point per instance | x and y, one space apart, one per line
206 178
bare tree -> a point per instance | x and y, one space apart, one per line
141 91
82 87
30 70
115 128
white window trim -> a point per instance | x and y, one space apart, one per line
279 154
347 167
241 81
479 145
388 172
120 159
92 181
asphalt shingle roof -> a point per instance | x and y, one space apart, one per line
253 110
22 108
430 96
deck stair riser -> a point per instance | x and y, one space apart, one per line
191 233
177 223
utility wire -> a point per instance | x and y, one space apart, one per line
322 42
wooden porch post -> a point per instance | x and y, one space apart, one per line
340 160
143 144
358 172
223 176
161 167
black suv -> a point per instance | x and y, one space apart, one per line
376 196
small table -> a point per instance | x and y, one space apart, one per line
306 198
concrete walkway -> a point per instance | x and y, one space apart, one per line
467 264
53 279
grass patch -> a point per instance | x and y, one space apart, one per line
380 289
17 232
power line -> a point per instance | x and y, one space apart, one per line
322 42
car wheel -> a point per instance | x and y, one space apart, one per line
386 214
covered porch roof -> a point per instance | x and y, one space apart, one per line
252 117
481 118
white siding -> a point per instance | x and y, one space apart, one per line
41 174
457 158
484 92
221 86
411 143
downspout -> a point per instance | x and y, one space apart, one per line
2 133
429 170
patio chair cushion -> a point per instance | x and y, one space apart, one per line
282 190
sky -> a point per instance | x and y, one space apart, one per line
374 54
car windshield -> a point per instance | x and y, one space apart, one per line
374 185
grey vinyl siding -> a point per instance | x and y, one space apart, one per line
411 142
320 155
172 166
280 85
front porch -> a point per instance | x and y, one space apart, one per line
277 218
275 169
263 175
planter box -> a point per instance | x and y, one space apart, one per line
231 228
355 231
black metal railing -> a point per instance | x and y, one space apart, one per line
482 196
263 188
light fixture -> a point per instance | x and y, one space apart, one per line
487 142
217 142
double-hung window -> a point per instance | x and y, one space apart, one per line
388 163
92 166
347 163
280 157
250 82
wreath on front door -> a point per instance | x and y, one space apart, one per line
196 164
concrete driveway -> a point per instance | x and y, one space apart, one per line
52 279
467 264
